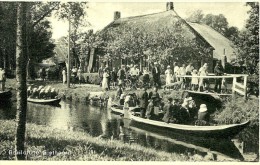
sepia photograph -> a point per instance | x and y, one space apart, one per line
129 81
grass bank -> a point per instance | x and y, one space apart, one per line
44 143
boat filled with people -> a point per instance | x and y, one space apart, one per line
43 95
211 131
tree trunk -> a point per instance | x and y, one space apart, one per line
21 63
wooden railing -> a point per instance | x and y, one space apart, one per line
237 87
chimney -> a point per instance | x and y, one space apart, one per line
169 6
117 15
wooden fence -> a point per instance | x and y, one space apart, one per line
237 86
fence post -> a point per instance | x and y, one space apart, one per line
234 86
245 87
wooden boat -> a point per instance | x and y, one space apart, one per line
5 95
119 109
218 131
45 101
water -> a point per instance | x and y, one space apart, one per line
101 122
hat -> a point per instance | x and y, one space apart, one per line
194 71
203 108
127 98
155 63
189 98
122 96
168 67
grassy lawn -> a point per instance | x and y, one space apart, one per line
44 143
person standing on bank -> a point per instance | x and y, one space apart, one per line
121 74
105 80
64 76
100 74
168 75
219 71
79 74
156 72
113 77
2 79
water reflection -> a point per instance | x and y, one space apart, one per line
101 122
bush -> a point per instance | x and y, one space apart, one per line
91 78
239 110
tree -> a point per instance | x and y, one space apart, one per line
21 61
217 22
160 43
248 41
196 16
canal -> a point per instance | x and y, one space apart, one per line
101 122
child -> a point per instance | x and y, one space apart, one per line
194 80
223 86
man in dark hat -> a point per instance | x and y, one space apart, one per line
219 71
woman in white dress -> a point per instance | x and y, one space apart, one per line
194 80
64 76
105 80
203 82
168 75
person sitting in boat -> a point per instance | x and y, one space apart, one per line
168 111
132 100
192 109
42 94
122 99
53 93
34 93
155 95
150 109
119 91
29 91
144 101
127 101
184 114
203 115
47 93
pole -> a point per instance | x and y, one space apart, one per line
69 60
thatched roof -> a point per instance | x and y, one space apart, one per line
216 40
210 38
151 22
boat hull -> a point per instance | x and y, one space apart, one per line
221 131
43 101
6 95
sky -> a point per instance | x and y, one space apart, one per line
100 14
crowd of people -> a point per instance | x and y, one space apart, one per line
174 77
194 83
42 92
173 111
2 79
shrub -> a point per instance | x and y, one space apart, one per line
239 110
91 78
